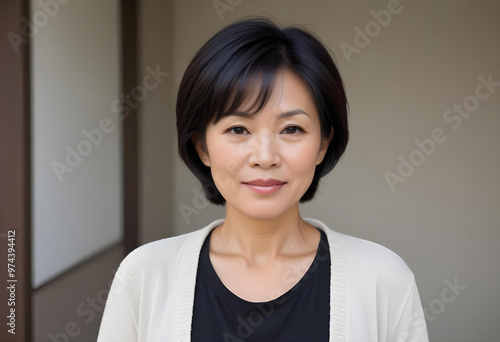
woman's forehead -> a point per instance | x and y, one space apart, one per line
256 91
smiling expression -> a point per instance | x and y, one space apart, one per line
262 164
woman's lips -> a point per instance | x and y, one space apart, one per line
265 186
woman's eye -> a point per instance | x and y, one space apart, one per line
293 130
237 130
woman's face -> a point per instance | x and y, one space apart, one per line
281 144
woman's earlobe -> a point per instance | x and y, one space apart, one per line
321 156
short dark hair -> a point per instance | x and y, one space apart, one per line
222 71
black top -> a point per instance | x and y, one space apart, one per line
301 314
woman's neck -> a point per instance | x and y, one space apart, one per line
262 241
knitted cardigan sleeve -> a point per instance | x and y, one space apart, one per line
400 315
120 321
410 324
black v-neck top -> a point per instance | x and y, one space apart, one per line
301 314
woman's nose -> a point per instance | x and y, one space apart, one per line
264 150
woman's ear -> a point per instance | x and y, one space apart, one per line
324 147
201 148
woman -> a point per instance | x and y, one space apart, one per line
261 117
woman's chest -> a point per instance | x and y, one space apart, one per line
260 283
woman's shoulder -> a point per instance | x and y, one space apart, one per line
158 253
364 255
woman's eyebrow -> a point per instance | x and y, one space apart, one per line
282 115
292 113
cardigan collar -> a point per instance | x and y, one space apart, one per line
339 280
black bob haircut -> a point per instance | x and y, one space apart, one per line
219 79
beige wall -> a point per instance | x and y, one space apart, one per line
444 219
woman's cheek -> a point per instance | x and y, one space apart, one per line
302 159
225 166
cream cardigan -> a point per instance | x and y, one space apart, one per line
373 295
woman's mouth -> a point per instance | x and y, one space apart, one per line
265 186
